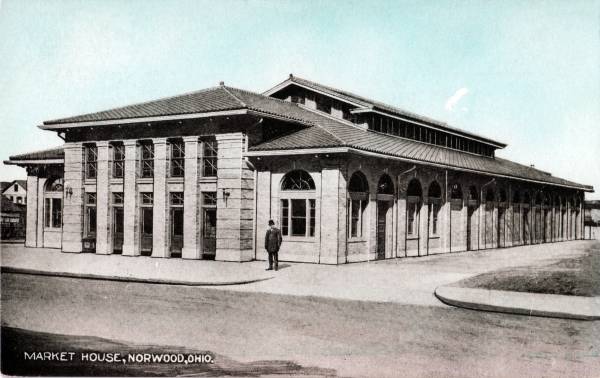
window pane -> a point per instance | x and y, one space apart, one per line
56 212
47 210
284 217
209 165
298 217
177 198
312 203
209 199
355 208
91 221
147 219
147 198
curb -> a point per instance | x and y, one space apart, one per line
495 301
157 281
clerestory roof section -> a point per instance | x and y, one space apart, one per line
365 104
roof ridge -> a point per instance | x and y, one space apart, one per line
234 96
262 95
56 120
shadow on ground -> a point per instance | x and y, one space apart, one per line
17 341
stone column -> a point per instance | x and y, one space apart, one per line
32 206
103 242
191 220
131 237
159 223
72 232
235 200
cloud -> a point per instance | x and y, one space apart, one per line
455 98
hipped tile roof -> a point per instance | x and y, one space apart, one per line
320 131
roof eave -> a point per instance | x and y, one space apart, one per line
69 125
34 162
345 149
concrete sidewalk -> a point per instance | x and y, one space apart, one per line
512 302
406 280
45 261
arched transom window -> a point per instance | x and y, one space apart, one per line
298 204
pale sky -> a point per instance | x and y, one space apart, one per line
525 73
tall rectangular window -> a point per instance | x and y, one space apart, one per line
91 162
209 158
411 219
434 213
147 160
298 217
356 211
118 166
90 214
177 159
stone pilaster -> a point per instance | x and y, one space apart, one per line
263 211
424 228
235 200
191 219
131 237
32 216
159 224
330 182
73 203
40 211
103 242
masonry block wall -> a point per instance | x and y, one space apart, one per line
72 231
235 205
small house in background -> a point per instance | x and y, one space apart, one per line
15 191
12 220
592 219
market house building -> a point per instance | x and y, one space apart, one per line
344 177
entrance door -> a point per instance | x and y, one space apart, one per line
176 231
382 209
209 229
146 220
118 230
470 211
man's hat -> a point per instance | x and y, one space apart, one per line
271 222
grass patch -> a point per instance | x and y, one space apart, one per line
576 276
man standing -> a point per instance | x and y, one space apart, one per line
272 244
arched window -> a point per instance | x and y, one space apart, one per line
547 200
298 210
516 197
502 196
456 192
473 197
53 193
358 197
538 198
413 206
434 198
526 199
489 195
385 185
298 180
